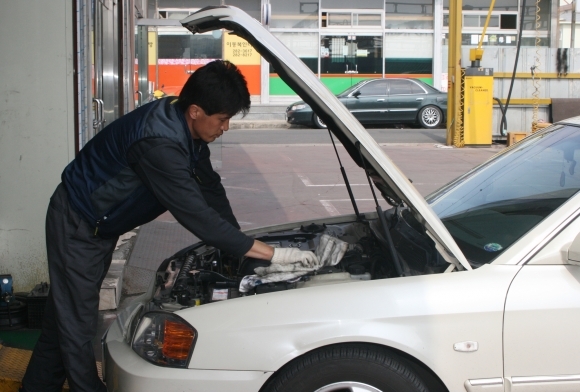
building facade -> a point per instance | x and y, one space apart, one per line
343 41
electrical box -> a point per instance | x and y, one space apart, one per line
478 106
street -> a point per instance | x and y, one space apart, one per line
310 136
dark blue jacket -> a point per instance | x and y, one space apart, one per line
117 182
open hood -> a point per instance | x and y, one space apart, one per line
391 182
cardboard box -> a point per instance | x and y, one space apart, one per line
514 137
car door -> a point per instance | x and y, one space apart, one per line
405 99
369 103
542 315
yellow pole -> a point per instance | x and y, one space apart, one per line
454 70
486 23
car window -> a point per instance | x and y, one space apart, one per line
398 86
415 89
378 87
491 207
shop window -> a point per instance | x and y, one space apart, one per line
543 13
303 45
414 14
295 14
478 5
352 54
408 53
507 12
251 7
188 46
349 4
342 19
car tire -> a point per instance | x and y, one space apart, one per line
346 367
318 123
430 117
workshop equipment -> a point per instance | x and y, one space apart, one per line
478 96
478 106
12 311
36 301
470 106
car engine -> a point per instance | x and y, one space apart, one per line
202 274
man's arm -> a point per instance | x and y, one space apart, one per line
164 168
211 187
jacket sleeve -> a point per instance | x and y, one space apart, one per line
211 187
164 168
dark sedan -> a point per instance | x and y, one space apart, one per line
383 101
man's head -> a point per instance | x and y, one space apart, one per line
211 96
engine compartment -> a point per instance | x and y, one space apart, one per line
201 274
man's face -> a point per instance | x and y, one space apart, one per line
204 127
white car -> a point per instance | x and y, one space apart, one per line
476 288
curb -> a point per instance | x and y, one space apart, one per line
265 124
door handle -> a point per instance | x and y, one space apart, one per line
140 99
381 100
99 118
418 99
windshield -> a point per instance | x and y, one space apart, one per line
491 207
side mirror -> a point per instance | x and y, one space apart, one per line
356 94
574 251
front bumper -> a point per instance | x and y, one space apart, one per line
127 372
299 117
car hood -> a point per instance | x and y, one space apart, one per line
391 182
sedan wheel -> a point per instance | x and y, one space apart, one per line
318 123
348 386
430 117
355 367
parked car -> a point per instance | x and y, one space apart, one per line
383 101
475 288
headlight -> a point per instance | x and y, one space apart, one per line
298 107
164 339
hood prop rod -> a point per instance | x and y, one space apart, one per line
382 218
346 182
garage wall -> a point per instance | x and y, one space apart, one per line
36 128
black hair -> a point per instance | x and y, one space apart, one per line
217 87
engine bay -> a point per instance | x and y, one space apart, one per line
201 274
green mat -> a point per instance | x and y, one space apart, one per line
24 339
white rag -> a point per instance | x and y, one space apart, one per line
329 252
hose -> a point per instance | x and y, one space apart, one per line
502 110
536 69
503 122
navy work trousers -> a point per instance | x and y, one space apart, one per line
77 264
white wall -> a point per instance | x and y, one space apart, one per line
36 128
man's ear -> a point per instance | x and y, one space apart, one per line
193 111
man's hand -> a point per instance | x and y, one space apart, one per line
289 263
260 251
293 255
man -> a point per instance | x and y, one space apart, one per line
151 160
